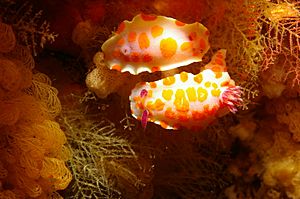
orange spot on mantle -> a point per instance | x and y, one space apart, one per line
179 23
155 68
147 17
156 31
147 58
121 28
116 67
131 37
143 41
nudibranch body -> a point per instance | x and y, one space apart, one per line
155 43
187 100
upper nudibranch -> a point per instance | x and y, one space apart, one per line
155 43
187 100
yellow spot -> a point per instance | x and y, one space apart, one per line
149 94
216 92
198 78
191 93
180 101
143 41
159 105
202 94
207 84
167 94
169 113
185 46
152 84
214 85
169 81
156 31
184 76
168 47
131 36
150 105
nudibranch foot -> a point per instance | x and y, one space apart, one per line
231 97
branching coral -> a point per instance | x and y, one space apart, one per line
258 35
239 32
282 38
32 151
104 165
28 25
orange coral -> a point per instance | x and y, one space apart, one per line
32 151
104 81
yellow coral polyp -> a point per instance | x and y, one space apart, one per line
32 151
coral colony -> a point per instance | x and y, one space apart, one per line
58 140
151 43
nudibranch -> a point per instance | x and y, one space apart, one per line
155 43
187 100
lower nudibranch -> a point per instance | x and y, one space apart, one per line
155 43
187 100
